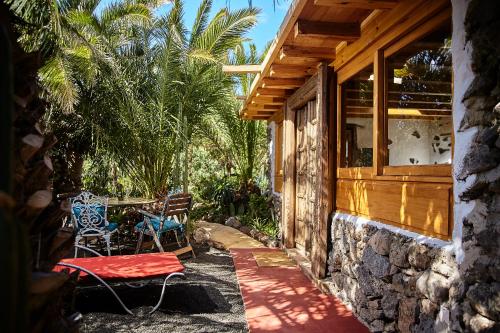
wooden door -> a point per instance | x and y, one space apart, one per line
306 175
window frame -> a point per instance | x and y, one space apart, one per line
342 77
436 170
380 168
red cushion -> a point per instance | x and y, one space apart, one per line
137 266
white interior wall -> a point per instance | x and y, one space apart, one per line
415 139
272 131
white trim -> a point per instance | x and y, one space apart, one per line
272 156
463 77
359 222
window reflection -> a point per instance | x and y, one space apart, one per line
357 127
419 101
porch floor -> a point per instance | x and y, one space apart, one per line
283 299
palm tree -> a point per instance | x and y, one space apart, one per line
205 86
242 141
155 81
31 238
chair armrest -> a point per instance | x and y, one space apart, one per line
148 214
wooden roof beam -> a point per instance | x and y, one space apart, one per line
262 112
307 52
331 30
363 4
288 71
271 82
241 69
264 107
273 92
268 100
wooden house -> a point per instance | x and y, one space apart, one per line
358 95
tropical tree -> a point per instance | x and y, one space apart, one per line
30 217
136 85
243 142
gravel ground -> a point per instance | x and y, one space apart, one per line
209 300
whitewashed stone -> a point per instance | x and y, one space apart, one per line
434 286
485 299
479 324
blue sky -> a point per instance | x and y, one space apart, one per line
269 19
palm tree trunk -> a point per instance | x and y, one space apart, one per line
30 237
178 146
187 156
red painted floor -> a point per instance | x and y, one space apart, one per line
282 299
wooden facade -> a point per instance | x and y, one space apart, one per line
309 77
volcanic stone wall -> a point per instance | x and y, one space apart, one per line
396 281
476 303
391 281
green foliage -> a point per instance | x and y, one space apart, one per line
258 207
141 84
224 193
96 176
260 217
268 227
242 143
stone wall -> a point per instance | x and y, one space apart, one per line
395 283
476 116
392 281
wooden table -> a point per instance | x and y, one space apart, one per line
114 202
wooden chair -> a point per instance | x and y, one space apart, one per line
174 218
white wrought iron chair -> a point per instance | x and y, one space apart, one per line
89 217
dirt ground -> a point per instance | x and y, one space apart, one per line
208 300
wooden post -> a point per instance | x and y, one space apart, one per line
379 123
288 200
324 202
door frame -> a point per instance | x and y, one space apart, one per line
314 88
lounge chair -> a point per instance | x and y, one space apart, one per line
125 268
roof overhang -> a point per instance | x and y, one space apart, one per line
312 32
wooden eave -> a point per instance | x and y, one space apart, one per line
310 33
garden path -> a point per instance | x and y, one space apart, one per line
225 237
282 299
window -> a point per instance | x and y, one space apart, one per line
418 101
278 156
357 120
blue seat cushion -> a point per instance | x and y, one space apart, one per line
168 224
97 211
112 226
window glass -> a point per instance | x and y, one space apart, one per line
418 101
357 126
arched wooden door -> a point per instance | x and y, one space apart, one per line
306 175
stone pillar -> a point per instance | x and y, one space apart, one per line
475 292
